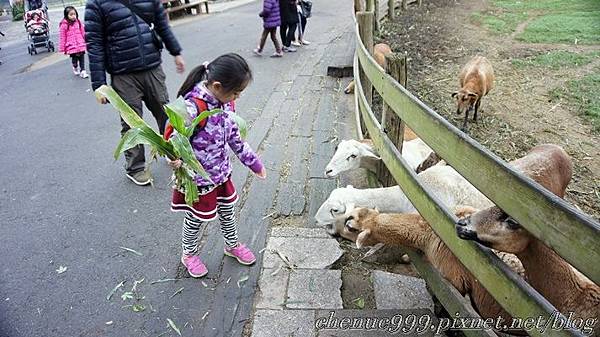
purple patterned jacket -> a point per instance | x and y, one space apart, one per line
210 143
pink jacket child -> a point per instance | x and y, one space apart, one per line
72 40
72 37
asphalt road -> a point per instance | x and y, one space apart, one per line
65 203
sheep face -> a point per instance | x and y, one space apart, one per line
494 228
359 224
465 101
347 157
334 206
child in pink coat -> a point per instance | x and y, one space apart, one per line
72 40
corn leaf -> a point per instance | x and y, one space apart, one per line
241 123
203 115
127 113
177 113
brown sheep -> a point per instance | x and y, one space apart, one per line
476 80
380 50
566 288
368 227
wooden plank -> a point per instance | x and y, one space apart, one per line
391 15
365 27
376 15
510 290
571 233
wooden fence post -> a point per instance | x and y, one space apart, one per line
391 10
358 6
376 17
404 3
419 2
365 29
395 65
369 4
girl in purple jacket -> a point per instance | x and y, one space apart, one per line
271 20
215 85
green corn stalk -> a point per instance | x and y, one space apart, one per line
178 147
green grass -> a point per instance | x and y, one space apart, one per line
571 27
556 60
553 21
502 23
585 95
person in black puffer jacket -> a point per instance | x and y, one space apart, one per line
289 20
120 41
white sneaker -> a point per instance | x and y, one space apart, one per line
296 44
76 71
83 74
304 42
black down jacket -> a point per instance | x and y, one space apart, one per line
120 42
289 11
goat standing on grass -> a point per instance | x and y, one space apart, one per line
476 80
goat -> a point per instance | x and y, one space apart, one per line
370 227
443 181
562 285
352 154
476 80
380 50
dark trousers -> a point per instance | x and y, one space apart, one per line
301 27
78 59
287 31
263 39
148 87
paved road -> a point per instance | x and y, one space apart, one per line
65 202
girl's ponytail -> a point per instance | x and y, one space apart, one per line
196 75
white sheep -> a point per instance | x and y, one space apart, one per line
352 154
443 181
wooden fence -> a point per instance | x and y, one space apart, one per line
572 234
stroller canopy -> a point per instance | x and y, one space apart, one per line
35 4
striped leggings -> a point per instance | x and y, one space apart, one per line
190 235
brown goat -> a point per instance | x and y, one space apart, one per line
380 50
476 80
567 289
368 227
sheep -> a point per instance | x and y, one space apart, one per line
443 182
562 285
352 154
370 227
380 50
476 80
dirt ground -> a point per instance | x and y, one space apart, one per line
519 113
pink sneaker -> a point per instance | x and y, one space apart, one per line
242 254
194 265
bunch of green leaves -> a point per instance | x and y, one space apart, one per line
178 147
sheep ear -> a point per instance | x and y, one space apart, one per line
362 237
368 151
349 208
454 94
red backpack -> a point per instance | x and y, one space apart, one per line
201 106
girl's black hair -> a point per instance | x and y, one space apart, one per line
231 70
68 9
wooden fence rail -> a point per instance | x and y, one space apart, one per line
572 234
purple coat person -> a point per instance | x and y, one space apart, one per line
270 14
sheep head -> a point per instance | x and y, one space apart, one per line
337 204
496 229
358 225
465 100
347 156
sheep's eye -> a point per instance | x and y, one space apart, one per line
347 224
512 223
352 156
333 211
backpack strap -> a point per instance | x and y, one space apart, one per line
201 106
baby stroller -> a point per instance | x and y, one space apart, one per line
38 29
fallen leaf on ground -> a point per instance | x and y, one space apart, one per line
61 269
359 302
127 295
173 326
114 290
177 292
132 251
242 280
138 307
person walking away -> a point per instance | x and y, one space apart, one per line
215 85
271 20
289 20
72 40
304 12
125 39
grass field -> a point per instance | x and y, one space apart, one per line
557 59
551 21
585 94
